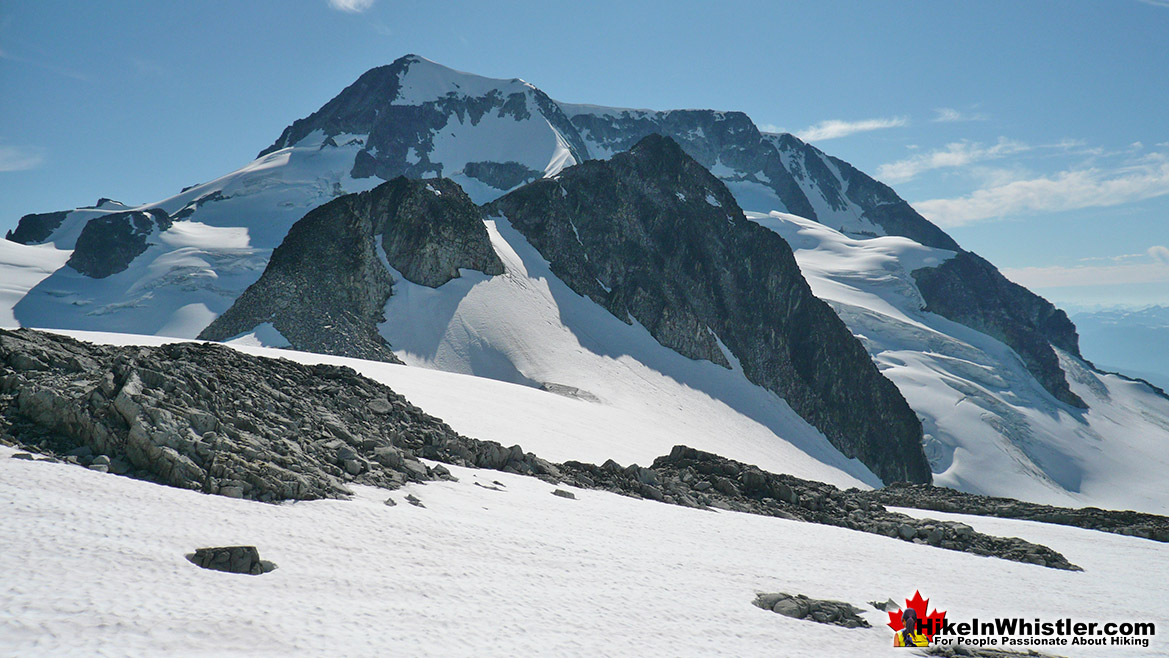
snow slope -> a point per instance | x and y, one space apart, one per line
194 271
22 267
228 227
93 565
528 327
989 426
629 421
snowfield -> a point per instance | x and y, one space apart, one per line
990 428
641 416
94 565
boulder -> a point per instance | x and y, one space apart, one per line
231 559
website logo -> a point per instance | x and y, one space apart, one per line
913 625
916 625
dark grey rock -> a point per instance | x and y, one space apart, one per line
147 411
36 228
637 235
231 559
107 244
401 137
414 500
501 175
928 497
969 290
325 286
679 473
153 408
823 611
564 494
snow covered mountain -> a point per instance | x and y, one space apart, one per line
993 372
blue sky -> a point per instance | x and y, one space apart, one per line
1035 132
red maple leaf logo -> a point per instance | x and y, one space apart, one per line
930 623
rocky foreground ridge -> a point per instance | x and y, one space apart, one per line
212 419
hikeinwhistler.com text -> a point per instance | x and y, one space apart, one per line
1019 632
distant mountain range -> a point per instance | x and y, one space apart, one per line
475 225
1132 341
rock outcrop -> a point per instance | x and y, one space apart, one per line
326 286
212 419
654 237
941 499
400 129
108 243
502 176
793 170
969 290
694 478
232 559
37 227
836 613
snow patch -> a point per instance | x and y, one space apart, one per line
263 335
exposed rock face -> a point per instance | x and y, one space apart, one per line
969 290
924 496
836 613
501 175
401 130
694 478
325 286
400 125
709 137
652 236
209 418
107 244
431 229
796 172
36 228
881 204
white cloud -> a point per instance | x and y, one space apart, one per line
1152 266
1088 275
1067 190
351 6
1159 253
1156 3
833 129
956 154
20 158
950 115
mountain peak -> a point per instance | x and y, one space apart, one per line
657 145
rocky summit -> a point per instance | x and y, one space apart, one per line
326 285
655 238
